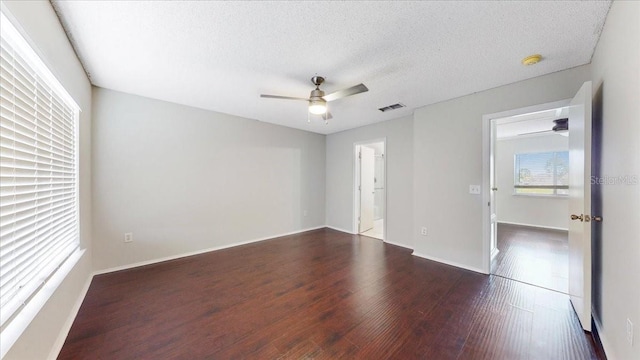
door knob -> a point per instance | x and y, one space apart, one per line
494 189
576 217
596 218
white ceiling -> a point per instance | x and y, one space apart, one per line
222 55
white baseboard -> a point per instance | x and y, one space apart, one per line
452 263
341 230
608 350
198 252
534 226
64 332
398 244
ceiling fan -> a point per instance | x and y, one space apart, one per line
318 100
560 126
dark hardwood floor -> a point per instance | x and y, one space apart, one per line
321 294
533 255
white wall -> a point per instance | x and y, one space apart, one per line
183 179
615 71
399 163
448 158
542 211
39 23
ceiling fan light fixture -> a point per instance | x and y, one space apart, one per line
318 101
317 106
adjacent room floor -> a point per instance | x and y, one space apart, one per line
377 231
533 255
320 294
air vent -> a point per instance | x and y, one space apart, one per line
392 107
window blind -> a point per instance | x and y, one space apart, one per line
545 173
38 173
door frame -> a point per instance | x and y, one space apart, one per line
486 158
356 183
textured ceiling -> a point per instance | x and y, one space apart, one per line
222 55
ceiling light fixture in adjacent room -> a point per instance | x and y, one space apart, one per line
532 59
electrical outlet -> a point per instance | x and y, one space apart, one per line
630 332
128 237
423 231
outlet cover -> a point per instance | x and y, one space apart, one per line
423 231
128 237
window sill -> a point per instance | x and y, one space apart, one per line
543 196
14 329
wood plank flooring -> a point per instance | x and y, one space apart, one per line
322 294
533 255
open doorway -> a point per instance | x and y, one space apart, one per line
370 189
530 196
578 211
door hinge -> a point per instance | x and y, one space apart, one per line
360 155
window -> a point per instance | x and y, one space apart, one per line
39 226
544 173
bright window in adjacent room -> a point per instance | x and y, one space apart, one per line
545 173
39 174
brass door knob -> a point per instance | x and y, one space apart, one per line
596 218
576 217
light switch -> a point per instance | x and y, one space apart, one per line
474 189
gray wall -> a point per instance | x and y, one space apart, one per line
615 71
542 211
184 180
399 163
447 159
39 24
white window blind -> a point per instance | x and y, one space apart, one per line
38 173
545 173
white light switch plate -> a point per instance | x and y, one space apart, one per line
474 189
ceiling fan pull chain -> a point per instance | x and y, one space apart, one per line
326 116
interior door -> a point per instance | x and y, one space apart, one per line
492 193
367 187
580 204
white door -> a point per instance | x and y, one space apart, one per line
367 189
580 204
492 191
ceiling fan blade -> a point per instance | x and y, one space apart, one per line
360 88
536 132
282 97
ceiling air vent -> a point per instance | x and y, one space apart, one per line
392 107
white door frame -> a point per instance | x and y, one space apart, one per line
486 155
356 183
